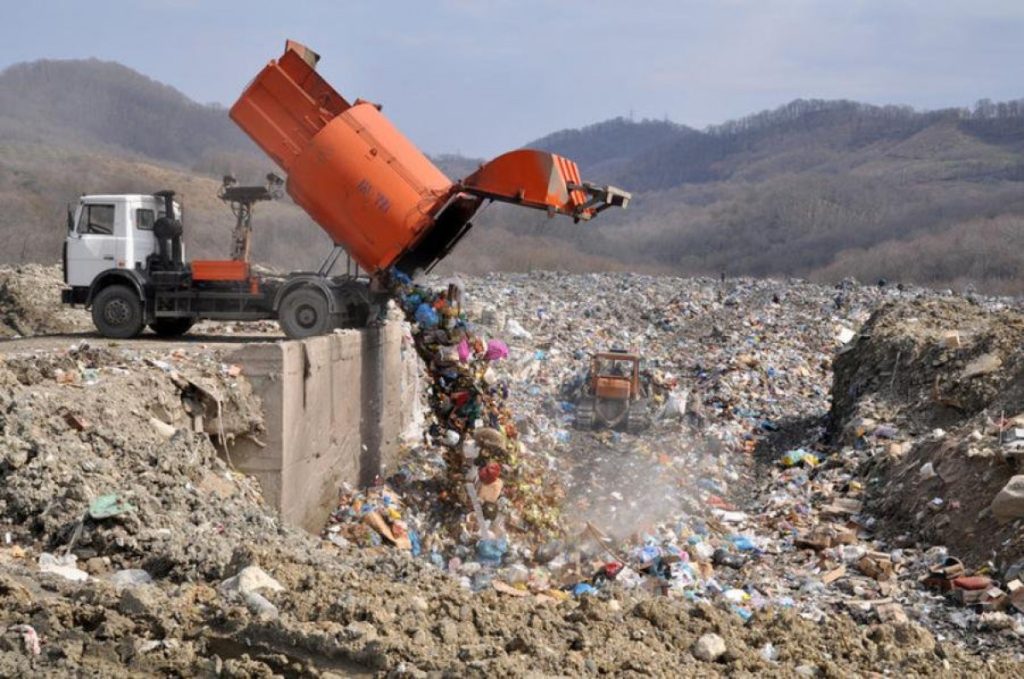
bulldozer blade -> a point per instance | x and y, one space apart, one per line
544 181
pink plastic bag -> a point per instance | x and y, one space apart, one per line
496 350
464 350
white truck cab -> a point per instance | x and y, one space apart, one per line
110 232
124 260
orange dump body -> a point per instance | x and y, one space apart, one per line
371 189
348 167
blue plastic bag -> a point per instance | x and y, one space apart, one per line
582 588
426 316
491 552
412 301
743 543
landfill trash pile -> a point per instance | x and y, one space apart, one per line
30 303
737 495
931 397
732 498
128 545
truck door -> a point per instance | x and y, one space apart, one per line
93 246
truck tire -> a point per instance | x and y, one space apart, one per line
171 327
304 313
117 312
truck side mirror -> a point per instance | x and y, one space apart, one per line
71 220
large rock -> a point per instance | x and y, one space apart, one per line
983 365
251 579
1009 502
142 600
709 648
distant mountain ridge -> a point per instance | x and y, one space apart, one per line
103 102
606 148
815 188
823 189
657 155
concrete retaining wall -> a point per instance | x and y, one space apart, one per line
335 409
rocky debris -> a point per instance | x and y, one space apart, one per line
709 648
250 579
1008 504
64 567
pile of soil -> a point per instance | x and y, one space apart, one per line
929 385
30 303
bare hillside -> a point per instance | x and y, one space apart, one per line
815 188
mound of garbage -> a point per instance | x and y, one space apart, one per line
698 507
725 538
30 303
127 545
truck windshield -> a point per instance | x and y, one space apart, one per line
97 219
614 368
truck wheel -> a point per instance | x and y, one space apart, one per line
117 312
304 313
171 327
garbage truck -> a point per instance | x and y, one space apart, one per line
380 199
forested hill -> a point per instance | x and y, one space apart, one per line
803 135
822 189
100 102
815 188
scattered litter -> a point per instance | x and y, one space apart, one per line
107 506
64 566
29 637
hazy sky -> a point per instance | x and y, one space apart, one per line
482 76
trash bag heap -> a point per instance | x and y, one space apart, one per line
491 491
733 497
558 522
